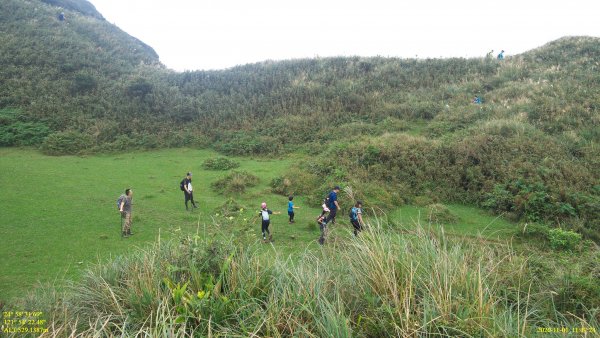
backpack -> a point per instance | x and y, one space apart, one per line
182 185
353 214
119 201
265 214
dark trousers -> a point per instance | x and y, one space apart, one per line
356 225
331 216
189 197
265 228
291 214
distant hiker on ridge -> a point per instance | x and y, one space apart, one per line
188 191
489 55
61 16
501 55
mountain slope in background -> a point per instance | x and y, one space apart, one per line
396 128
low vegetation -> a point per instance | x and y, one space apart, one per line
235 182
378 284
220 163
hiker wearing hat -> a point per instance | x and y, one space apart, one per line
188 190
264 214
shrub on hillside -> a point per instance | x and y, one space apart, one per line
563 239
242 143
67 143
15 130
295 181
83 83
230 208
23 133
422 201
576 293
139 87
535 231
440 214
220 163
235 183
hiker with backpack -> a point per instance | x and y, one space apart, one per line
501 55
264 214
188 192
356 217
125 203
291 208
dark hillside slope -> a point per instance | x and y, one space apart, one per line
62 73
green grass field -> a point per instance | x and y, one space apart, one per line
59 213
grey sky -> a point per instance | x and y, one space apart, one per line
199 34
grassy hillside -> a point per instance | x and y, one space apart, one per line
402 133
530 150
420 269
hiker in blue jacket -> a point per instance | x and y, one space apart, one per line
333 204
291 208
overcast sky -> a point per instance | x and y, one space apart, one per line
200 34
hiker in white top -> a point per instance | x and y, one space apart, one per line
264 214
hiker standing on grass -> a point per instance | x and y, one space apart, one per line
356 217
188 190
125 209
332 204
291 208
264 214
322 224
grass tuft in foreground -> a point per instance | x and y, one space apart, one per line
379 284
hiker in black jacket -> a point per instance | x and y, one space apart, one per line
188 190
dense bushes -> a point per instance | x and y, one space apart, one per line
235 183
556 238
220 163
67 143
16 130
